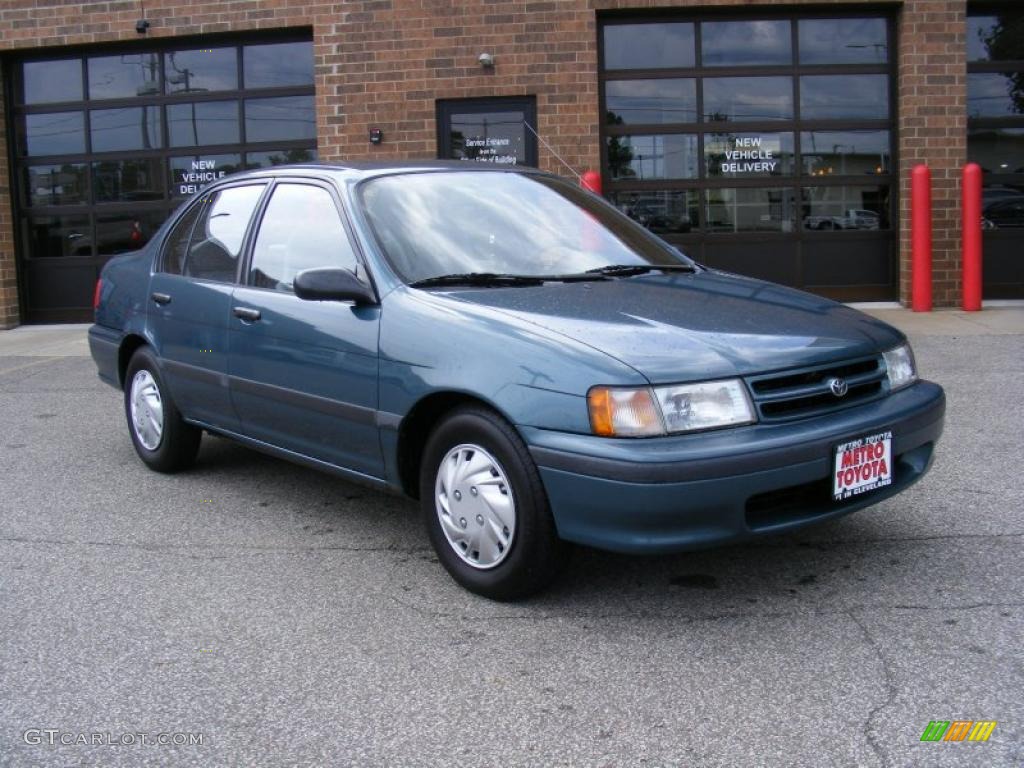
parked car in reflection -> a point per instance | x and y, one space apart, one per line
853 218
1004 213
116 236
533 366
657 218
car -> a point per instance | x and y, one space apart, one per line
1004 213
533 366
854 218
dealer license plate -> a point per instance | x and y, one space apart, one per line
862 465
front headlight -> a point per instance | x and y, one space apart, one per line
900 367
644 412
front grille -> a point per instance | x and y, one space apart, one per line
805 392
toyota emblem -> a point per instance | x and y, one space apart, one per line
838 386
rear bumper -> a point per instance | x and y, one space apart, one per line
677 493
104 344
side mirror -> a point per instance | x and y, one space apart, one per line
332 284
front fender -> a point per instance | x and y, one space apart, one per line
532 376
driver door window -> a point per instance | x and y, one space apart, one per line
301 229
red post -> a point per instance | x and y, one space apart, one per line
921 239
591 180
971 264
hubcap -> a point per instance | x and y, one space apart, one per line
475 506
147 410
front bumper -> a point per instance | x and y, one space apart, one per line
671 494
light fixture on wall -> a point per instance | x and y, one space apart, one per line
142 25
486 60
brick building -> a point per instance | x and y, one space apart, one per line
769 138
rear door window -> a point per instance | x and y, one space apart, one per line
217 238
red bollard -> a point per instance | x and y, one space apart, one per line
971 264
921 239
591 180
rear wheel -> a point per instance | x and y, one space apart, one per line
485 508
161 437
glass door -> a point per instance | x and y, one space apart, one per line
488 130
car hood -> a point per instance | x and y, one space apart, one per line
693 326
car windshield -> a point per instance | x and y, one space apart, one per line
464 223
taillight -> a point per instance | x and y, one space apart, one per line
96 294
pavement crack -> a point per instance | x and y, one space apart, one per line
890 689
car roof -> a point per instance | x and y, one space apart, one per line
368 169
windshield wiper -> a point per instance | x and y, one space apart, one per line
477 278
626 270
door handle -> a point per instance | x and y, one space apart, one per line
249 315
161 298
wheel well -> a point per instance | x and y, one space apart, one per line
124 354
416 428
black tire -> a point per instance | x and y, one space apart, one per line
535 554
179 442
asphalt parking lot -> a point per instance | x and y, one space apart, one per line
287 617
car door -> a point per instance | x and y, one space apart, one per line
304 373
190 301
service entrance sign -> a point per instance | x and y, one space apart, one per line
862 465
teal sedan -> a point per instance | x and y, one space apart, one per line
533 366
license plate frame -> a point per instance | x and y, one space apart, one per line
862 465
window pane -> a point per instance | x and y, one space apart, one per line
750 210
489 137
632 102
58 133
729 99
828 153
55 236
286 118
836 208
277 64
663 212
123 232
843 41
192 173
217 239
748 155
741 43
122 181
118 130
653 157
995 94
49 81
996 37
827 97
280 157
124 76
648 46
997 150
177 242
201 70
56 184
205 122
300 230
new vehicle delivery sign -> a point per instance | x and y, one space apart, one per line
862 465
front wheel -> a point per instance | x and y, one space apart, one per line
161 437
485 508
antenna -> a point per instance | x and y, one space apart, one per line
552 150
